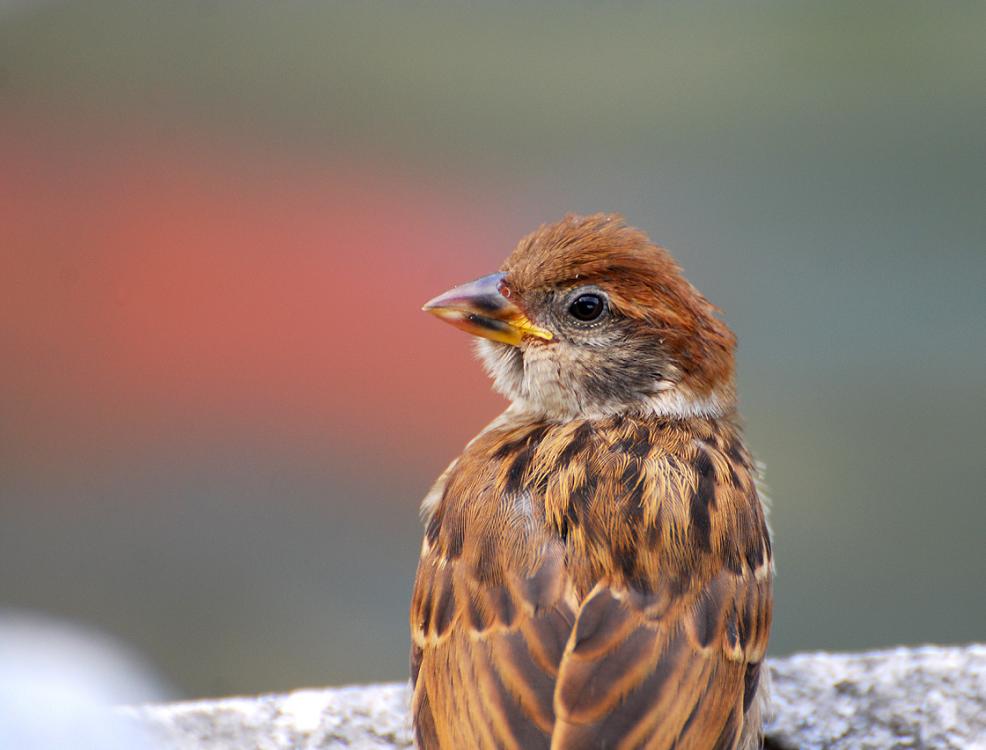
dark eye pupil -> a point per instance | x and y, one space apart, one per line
586 307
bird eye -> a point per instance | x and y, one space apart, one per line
587 307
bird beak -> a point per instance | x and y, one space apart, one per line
482 308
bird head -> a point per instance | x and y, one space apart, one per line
589 318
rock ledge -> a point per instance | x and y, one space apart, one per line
926 697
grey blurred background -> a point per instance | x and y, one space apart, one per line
220 406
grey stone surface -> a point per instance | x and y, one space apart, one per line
928 697
373 717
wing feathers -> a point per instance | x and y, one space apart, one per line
489 652
524 677
679 681
602 623
546 637
576 603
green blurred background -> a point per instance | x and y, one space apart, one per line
220 406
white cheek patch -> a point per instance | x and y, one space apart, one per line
548 384
505 365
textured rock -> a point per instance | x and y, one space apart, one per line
929 697
373 717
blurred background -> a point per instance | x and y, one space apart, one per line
220 404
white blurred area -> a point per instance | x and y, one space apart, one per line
58 682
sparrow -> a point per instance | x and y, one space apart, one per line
596 567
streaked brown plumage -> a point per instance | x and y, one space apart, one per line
596 569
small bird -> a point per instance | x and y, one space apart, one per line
596 567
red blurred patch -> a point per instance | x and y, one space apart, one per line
157 286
